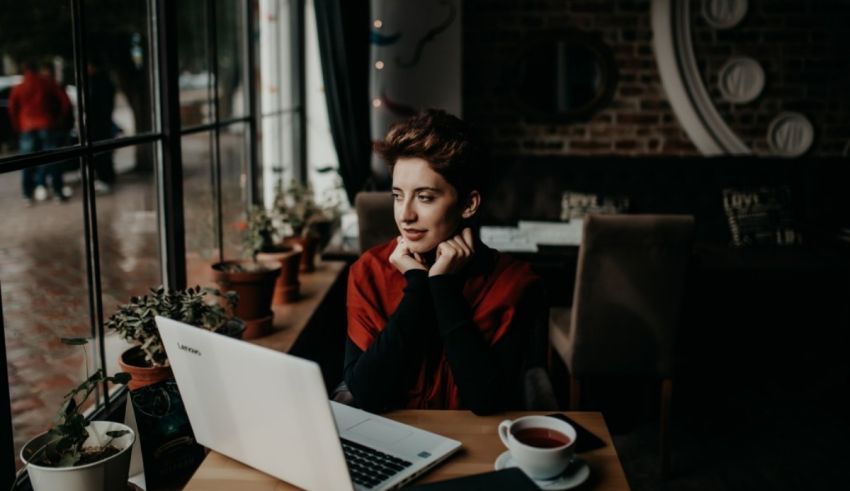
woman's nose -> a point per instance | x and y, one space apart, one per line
408 212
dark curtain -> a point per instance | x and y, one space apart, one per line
343 29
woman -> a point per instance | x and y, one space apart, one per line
436 319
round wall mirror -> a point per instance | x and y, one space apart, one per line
564 76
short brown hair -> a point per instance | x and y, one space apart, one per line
442 140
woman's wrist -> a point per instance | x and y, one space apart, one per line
416 276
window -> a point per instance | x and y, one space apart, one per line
91 213
280 34
322 159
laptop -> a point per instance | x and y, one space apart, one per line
270 410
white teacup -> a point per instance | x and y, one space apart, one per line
541 446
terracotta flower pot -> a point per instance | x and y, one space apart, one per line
254 282
132 361
310 246
286 288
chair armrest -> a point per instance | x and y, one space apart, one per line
538 392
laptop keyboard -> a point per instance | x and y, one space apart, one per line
369 467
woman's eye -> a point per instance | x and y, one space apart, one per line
426 198
396 196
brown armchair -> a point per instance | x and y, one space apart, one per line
375 219
626 302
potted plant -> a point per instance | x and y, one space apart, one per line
76 454
261 241
147 361
254 282
308 222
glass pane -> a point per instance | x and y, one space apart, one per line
119 66
269 141
127 233
193 59
234 186
274 58
44 291
322 160
277 146
199 208
37 95
230 31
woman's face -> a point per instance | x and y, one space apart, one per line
426 206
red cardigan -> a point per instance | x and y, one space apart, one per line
37 104
494 285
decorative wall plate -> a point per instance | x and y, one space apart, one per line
723 14
790 134
741 80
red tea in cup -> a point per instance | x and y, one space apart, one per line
541 437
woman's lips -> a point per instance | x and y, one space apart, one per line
414 235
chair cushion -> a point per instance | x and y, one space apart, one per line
539 394
376 223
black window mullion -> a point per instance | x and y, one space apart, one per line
20 161
93 269
211 126
126 141
8 443
249 79
299 92
212 40
170 166
89 205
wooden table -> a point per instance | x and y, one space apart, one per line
481 446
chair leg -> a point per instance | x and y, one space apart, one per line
665 433
575 393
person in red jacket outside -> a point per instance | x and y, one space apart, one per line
37 108
436 319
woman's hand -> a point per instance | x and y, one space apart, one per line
403 259
453 254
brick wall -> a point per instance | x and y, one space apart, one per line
806 59
795 42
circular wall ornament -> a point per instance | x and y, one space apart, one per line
723 14
741 80
790 134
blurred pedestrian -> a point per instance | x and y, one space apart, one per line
36 106
60 132
101 104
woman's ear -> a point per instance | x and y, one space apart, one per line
473 201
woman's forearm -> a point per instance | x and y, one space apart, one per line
488 377
380 377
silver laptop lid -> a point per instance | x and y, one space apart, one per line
264 408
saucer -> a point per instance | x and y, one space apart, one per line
577 472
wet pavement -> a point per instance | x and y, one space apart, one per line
43 279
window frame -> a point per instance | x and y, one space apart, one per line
166 135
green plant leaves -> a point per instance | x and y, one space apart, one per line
75 341
69 459
121 378
202 307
